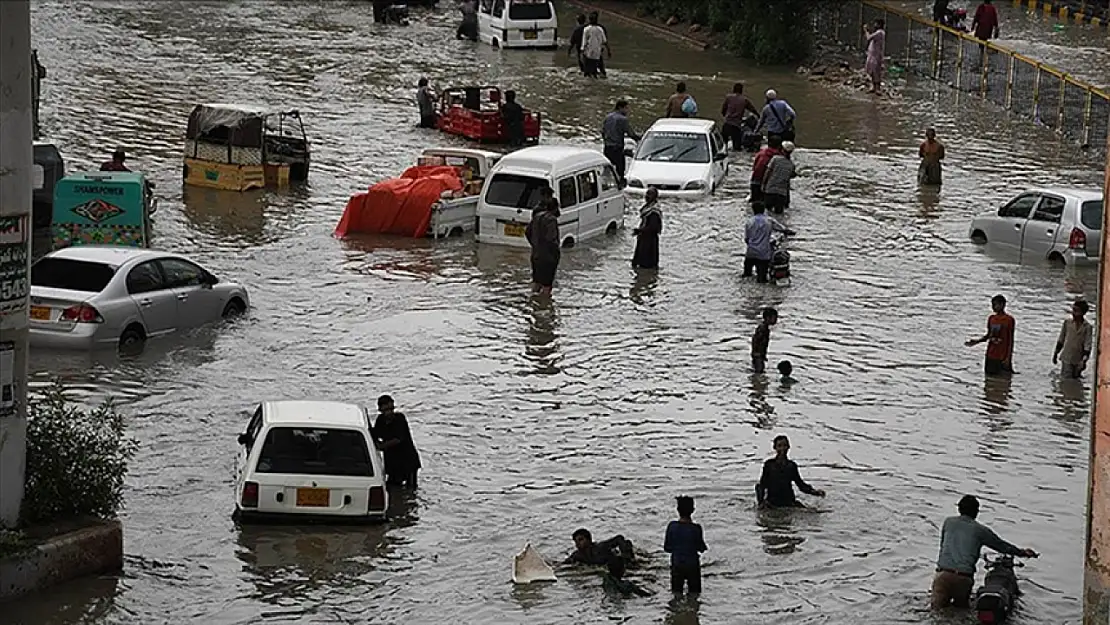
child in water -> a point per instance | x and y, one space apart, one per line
685 542
785 369
614 581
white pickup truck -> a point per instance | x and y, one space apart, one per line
453 216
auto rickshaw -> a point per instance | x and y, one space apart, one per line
237 148
103 208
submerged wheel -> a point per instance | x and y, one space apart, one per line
495 43
234 308
1057 258
611 229
568 243
132 340
979 237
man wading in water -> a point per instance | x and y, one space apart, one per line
391 429
999 339
931 153
775 488
543 235
613 131
961 540
1073 346
761 339
647 235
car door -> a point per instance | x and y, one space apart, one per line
1043 227
156 301
247 442
1007 229
197 302
720 159
589 199
569 208
612 200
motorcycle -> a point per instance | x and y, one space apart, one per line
995 599
954 19
780 259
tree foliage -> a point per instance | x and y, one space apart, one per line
76 459
772 32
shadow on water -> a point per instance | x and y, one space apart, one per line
88 600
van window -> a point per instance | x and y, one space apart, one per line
315 451
587 185
1090 214
514 191
73 275
487 6
608 178
528 10
498 8
568 193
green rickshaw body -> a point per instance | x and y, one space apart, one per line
103 208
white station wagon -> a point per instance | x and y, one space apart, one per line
310 461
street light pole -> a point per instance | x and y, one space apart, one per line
16 127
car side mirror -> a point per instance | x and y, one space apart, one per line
629 153
209 280
244 439
720 156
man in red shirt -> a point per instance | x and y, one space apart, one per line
999 339
985 22
116 164
759 167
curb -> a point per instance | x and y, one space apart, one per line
1064 12
91 550
645 24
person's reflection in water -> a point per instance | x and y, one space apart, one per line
643 285
1071 400
929 198
542 345
683 611
996 393
777 531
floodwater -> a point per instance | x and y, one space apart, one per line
1081 50
594 409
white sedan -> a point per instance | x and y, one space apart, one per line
680 157
88 296
310 461
1056 224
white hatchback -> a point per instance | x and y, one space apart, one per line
680 157
310 461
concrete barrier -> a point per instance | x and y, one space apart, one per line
94 548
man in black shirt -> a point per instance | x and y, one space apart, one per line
775 488
512 115
586 551
576 42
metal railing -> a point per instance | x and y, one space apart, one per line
1038 92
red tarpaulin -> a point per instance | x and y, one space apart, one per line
399 206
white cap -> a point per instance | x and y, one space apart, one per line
771 95
788 146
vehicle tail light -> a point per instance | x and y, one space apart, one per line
986 617
1078 240
250 495
82 313
377 499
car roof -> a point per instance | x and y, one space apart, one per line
1078 193
108 254
551 159
319 413
461 152
680 124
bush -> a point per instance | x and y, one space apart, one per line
76 459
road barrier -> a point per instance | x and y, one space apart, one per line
1041 93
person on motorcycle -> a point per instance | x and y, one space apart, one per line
961 540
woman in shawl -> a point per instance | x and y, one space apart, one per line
391 430
876 49
931 153
647 235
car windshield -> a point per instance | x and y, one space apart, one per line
514 191
73 275
315 451
674 147
530 10
1090 213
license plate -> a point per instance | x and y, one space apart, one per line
531 34
514 230
40 313
313 497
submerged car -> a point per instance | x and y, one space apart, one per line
1063 225
90 296
310 461
679 157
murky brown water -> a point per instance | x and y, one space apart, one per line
594 410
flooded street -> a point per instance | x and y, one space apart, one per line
595 409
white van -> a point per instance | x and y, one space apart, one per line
518 23
585 183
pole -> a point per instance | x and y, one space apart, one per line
15 249
1096 573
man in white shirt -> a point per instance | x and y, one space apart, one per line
594 44
1073 346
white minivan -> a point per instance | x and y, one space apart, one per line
585 183
518 23
679 157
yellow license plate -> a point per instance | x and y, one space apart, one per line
530 34
41 313
313 497
514 230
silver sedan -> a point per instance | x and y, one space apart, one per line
90 296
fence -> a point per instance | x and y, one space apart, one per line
1015 82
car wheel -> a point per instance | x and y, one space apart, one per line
611 229
234 308
978 237
132 340
568 243
1056 258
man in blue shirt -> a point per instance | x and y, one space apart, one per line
961 540
777 117
613 131
757 236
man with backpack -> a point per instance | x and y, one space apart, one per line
777 117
